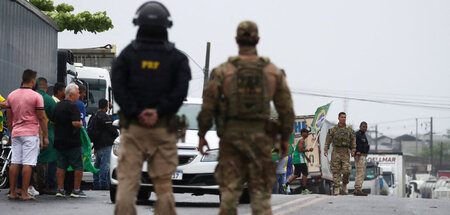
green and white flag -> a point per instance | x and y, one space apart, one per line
319 118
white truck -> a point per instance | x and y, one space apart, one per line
98 86
393 170
373 184
320 178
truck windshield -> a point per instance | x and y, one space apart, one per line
191 112
370 173
97 91
388 177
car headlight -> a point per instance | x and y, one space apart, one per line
211 156
116 147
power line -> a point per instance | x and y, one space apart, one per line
402 96
391 102
195 62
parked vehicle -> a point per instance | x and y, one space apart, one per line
320 177
442 188
5 162
374 182
413 190
195 172
393 169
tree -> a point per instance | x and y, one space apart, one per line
84 21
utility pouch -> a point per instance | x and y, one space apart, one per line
173 124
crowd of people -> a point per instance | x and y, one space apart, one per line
46 135
150 80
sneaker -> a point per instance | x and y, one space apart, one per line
78 194
284 187
60 193
32 191
306 191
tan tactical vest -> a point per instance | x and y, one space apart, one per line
249 96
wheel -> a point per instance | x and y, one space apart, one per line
143 195
245 197
112 194
4 180
327 187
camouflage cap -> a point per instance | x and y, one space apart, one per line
247 30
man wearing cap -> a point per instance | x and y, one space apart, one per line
300 161
237 98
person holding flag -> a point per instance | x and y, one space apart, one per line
300 162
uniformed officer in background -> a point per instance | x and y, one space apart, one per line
150 79
343 139
362 148
238 99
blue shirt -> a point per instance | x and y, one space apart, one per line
82 111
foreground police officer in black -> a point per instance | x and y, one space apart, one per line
150 80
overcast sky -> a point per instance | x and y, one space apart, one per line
386 50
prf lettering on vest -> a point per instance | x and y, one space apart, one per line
146 64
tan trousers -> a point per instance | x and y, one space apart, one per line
360 165
158 148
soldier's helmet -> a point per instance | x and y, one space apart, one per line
247 33
152 13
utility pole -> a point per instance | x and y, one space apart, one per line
440 156
206 69
431 143
376 138
417 136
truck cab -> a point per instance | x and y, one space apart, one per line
98 86
373 184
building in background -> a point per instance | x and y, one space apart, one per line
28 40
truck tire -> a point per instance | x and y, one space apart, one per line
245 197
112 194
325 187
143 195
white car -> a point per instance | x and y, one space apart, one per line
195 172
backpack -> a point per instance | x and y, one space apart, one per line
92 130
249 90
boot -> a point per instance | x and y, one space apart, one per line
336 191
344 189
359 193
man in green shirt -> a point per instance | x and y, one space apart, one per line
46 172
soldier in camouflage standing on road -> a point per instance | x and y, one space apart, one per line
343 139
238 98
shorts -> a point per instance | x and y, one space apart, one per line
25 150
301 168
70 157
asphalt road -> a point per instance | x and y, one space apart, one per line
98 203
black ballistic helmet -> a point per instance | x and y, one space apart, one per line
152 13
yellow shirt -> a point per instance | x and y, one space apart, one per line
1 113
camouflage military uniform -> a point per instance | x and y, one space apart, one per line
245 147
343 139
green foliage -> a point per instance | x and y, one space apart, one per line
84 21
437 151
44 5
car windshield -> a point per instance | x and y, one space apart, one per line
191 112
97 91
370 173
